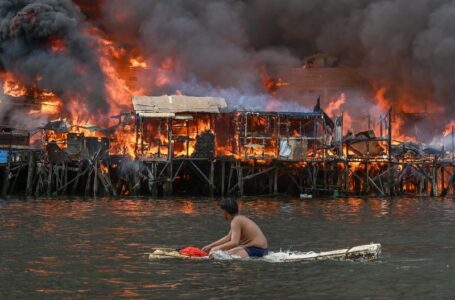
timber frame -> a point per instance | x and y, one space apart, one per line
327 167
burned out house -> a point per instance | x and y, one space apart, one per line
65 141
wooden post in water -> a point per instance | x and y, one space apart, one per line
367 161
49 179
170 178
89 179
443 170
170 157
95 179
212 178
65 179
434 179
39 175
76 182
6 177
347 183
30 173
240 179
275 180
223 177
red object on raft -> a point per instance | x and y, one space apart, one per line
193 252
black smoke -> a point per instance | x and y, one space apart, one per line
28 29
406 46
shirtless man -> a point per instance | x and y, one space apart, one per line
245 237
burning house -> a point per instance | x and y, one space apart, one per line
79 63
176 126
180 140
194 130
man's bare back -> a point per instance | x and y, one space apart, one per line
250 233
245 237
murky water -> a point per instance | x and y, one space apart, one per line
75 249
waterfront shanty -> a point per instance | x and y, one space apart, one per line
181 145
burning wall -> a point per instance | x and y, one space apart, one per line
182 126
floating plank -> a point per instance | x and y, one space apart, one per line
363 252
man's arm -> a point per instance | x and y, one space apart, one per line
221 241
235 237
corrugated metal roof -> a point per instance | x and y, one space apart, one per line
177 104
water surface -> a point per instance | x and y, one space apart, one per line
76 249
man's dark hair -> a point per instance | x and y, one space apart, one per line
230 206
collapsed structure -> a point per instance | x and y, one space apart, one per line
181 145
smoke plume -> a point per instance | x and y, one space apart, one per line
29 32
403 46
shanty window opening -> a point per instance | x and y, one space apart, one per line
179 135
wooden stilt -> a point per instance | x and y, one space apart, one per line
16 178
170 179
95 179
76 181
6 177
49 179
231 173
39 178
389 153
434 183
30 173
89 180
65 178
155 185
275 180
240 179
212 178
223 177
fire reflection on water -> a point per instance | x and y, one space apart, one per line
103 248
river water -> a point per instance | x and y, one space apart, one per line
94 249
